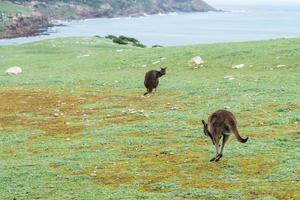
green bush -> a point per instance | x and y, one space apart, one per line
119 41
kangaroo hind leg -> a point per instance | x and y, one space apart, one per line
217 145
220 155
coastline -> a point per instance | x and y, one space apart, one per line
41 26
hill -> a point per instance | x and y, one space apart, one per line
74 125
25 17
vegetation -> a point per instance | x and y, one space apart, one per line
124 40
74 125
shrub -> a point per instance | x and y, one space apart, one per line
111 37
119 41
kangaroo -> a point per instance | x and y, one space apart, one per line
151 79
221 124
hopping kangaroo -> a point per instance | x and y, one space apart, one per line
221 124
151 79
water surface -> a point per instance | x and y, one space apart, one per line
186 28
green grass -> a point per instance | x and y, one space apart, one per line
74 124
9 7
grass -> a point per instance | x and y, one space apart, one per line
9 7
74 124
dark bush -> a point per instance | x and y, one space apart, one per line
111 37
119 41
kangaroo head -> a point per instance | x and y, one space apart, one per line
163 70
206 131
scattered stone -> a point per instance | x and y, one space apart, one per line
167 152
279 66
14 70
82 56
93 174
156 62
196 61
238 66
229 78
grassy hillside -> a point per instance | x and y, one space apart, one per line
66 9
75 126
7 8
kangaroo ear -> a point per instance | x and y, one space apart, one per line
165 68
203 122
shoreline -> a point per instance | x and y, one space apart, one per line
38 29
23 32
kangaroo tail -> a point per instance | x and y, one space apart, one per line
237 135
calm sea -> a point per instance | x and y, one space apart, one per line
240 24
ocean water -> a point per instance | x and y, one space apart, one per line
238 24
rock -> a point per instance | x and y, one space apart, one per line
279 66
93 174
238 66
196 61
229 78
14 70
156 62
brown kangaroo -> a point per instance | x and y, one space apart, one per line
221 124
151 79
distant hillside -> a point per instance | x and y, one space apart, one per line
111 8
25 17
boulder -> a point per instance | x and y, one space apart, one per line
14 70
196 61
238 66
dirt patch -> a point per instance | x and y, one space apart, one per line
131 119
282 107
112 174
277 189
256 166
158 167
40 109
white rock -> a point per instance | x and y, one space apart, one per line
229 78
82 56
196 61
279 66
93 174
238 66
156 62
14 70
